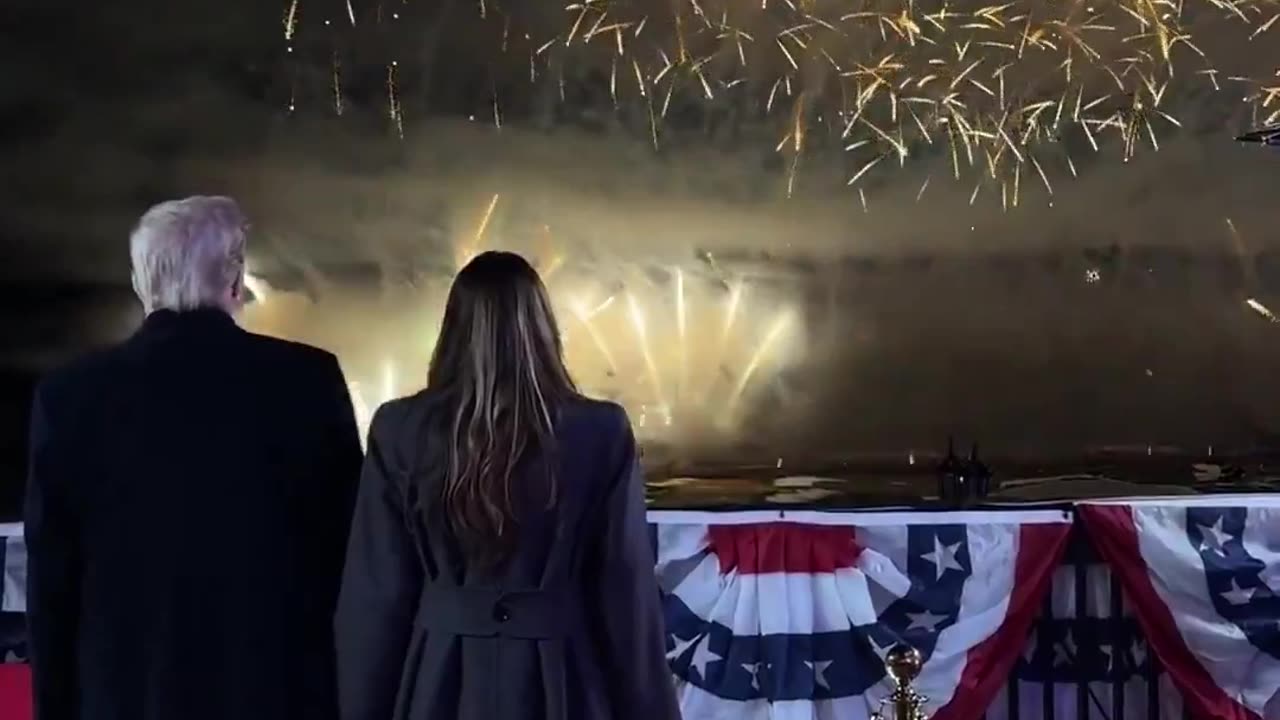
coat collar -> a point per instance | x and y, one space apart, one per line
201 318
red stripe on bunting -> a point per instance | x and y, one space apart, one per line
783 548
15 692
989 663
1116 538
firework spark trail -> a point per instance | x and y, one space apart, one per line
693 362
995 81
362 409
389 380
731 311
969 92
393 100
682 322
291 21
338 106
1240 250
548 271
256 286
638 354
1261 309
464 253
642 337
762 351
585 317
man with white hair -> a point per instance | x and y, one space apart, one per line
189 499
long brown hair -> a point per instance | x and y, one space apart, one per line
499 365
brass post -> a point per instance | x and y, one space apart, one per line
903 665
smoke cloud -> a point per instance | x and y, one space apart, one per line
1110 311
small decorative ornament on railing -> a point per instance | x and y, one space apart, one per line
961 482
903 664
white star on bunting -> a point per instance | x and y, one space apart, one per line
881 650
681 646
1111 655
1139 652
753 669
943 557
1238 595
926 620
819 668
1065 651
1214 537
703 656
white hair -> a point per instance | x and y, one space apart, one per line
188 254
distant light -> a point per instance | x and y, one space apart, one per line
256 285
1261 309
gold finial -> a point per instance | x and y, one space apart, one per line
903 664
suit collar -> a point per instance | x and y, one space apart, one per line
201 318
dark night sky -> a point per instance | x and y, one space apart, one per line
954 318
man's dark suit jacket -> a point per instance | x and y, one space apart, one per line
188 506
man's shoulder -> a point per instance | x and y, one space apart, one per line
87 371
290 351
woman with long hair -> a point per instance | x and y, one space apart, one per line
499 566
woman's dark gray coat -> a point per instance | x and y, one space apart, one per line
571 628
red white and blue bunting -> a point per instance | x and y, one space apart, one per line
1173 608
791 618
